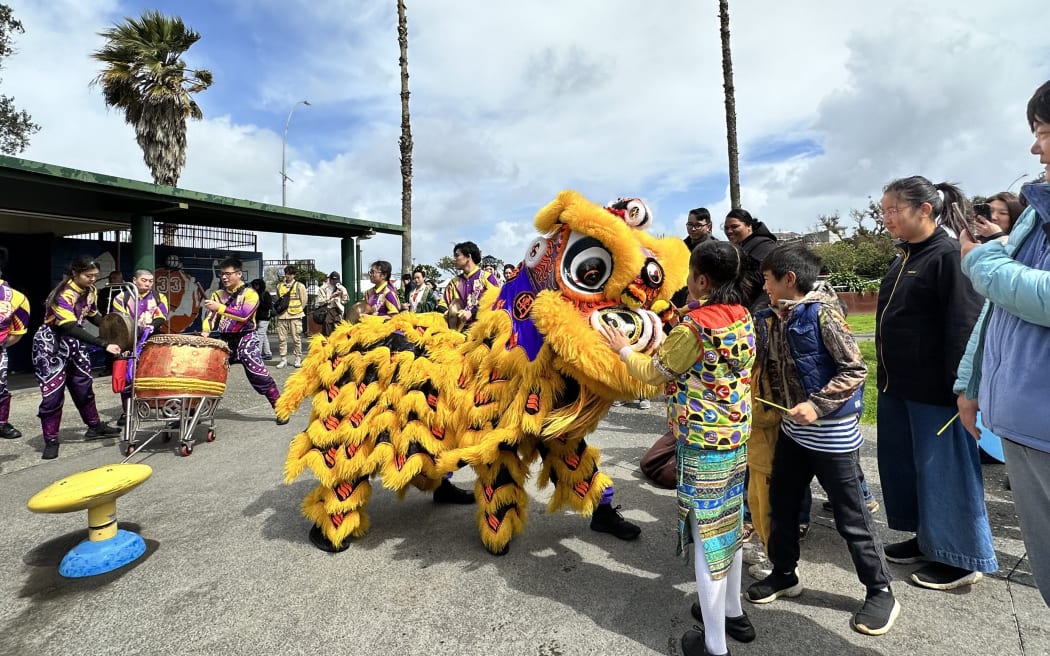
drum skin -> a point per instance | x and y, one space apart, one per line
116 328
180 365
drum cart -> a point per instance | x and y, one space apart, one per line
178 415
178 382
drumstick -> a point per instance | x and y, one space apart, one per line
945 427
773 405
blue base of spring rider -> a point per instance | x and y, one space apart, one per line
90 558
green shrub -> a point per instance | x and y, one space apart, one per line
845 281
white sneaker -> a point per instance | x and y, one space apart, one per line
283 363
298 363
643 404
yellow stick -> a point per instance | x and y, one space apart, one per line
945 427
773 405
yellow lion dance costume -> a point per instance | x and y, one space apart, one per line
410 400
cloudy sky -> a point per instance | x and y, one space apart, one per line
512 102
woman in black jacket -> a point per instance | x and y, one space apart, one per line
929 465
755 239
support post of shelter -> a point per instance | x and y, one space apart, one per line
142 242
346 251
357 272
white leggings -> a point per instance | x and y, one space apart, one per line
719 598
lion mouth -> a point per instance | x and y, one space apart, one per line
643 329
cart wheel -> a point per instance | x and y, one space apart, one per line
129 449
211 435
186 450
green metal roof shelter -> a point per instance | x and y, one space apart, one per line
39 198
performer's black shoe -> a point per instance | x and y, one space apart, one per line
318 539
50 450
693 643
101 429
9 432
738 628
607 519
449 493
122 420
281 422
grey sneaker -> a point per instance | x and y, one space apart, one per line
644 404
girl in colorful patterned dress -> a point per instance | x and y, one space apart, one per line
706 362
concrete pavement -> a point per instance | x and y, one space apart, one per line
229 570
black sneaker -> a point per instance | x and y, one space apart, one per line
607 519
101 429
9 432
318 539
449 493
281 422
693 643
773 586
904 553
50 451
878 613
939 576
122 420
738 628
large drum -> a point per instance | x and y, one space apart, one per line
182 365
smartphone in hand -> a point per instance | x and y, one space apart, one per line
960 221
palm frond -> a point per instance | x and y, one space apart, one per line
144 76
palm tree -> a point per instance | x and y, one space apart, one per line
405 142
730 96
145 77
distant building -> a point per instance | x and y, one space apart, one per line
821 237
787 237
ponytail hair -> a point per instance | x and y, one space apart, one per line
723 263
916 190
77 266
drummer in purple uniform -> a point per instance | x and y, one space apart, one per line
467 287
382 297
149 311
14 320
59 356
230 313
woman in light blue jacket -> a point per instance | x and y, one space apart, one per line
1004 370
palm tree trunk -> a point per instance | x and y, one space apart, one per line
730 97
405 143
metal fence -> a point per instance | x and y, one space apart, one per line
184 236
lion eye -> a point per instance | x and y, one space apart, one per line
586 265
654 274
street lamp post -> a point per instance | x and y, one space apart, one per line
284 178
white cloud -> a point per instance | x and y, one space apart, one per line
511 103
